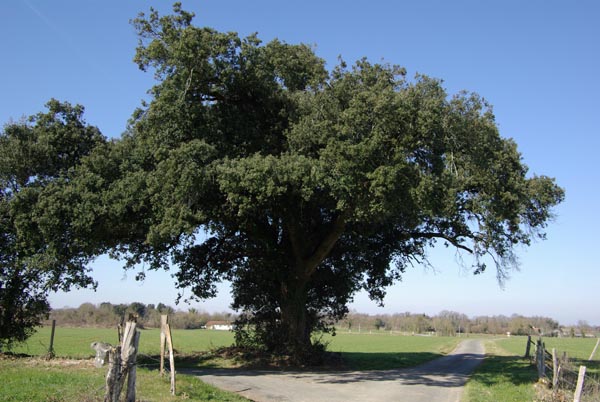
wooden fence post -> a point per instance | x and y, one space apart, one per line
114 363
540 358
165 337
51 353
132 377
163 340
580 381
555 369
122 361
528 348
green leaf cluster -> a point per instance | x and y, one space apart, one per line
37 155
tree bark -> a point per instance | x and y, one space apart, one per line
294 292
294 318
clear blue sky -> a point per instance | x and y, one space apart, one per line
537 62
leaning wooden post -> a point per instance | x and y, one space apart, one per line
528 348
171 359
165 337
51 353
594 351
580 381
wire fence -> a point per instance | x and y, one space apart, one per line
568 380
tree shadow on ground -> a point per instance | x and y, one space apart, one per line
333 362
448 371
202 360
365 363
386 361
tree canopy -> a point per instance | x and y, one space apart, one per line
255 164
34 153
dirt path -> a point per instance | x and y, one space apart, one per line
438 380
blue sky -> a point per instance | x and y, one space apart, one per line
536 61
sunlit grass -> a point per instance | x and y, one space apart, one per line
578 350
506 375
503 376
75 342
33 379
380 351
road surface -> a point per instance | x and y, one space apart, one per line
441 379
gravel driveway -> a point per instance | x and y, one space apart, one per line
438 380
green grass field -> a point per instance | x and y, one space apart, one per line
360 351
34 379
504 376
75 342
381 351
72 377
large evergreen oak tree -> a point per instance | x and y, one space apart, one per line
252 163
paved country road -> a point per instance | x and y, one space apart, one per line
438 380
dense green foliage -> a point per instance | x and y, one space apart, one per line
34 154
252 163
311 184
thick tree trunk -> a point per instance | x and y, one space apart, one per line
307 255
294 319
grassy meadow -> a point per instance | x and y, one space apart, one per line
75 342
365 351
71 376
505 375
34 379
382 350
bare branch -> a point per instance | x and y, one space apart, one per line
434 235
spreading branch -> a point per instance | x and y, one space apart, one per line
326 245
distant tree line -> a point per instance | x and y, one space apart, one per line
451 323
446 323
148 315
